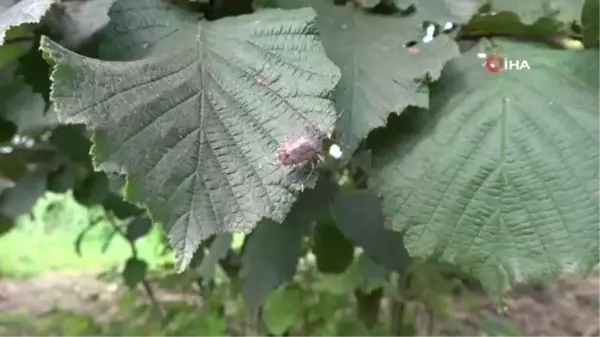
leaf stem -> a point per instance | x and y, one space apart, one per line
398 307
145 283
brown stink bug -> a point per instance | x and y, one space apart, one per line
301 148
298 150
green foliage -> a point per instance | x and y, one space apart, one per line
170 113
282 310
134 272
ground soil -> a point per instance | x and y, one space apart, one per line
567 307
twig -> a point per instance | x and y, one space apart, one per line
145 283
398 308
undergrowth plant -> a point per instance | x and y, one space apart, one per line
189 115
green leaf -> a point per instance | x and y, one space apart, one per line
71 140
24 11
217 251
589 23
269 259
211 323
138 228
62 179
510 24
379 75
139 28
501 176
341 284
20 199
494 326
195 130
349 326
368 3
22 41
438 12
8 130
358 215
20 105
36 71
93 190
134 272
73 23
368 306
121 208
334 253
375 276
271 252
282 309
530 11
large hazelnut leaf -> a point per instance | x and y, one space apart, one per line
195 127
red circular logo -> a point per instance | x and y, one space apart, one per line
494 63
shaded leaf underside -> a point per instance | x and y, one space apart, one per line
501 177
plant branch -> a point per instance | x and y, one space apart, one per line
145 284
398 307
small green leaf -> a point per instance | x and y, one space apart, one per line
138 228
269 259
72 141
375 275
271 252
334 253
36 72
350 326
134 272
24 11
20 105
359 216
120 208
282 309
589 23
20 199
62 179
510 24
368 3
217 251
209 323
22 41
341 284
368 306
93 190
494 326
7 130
565 11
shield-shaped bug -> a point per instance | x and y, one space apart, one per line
301 148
